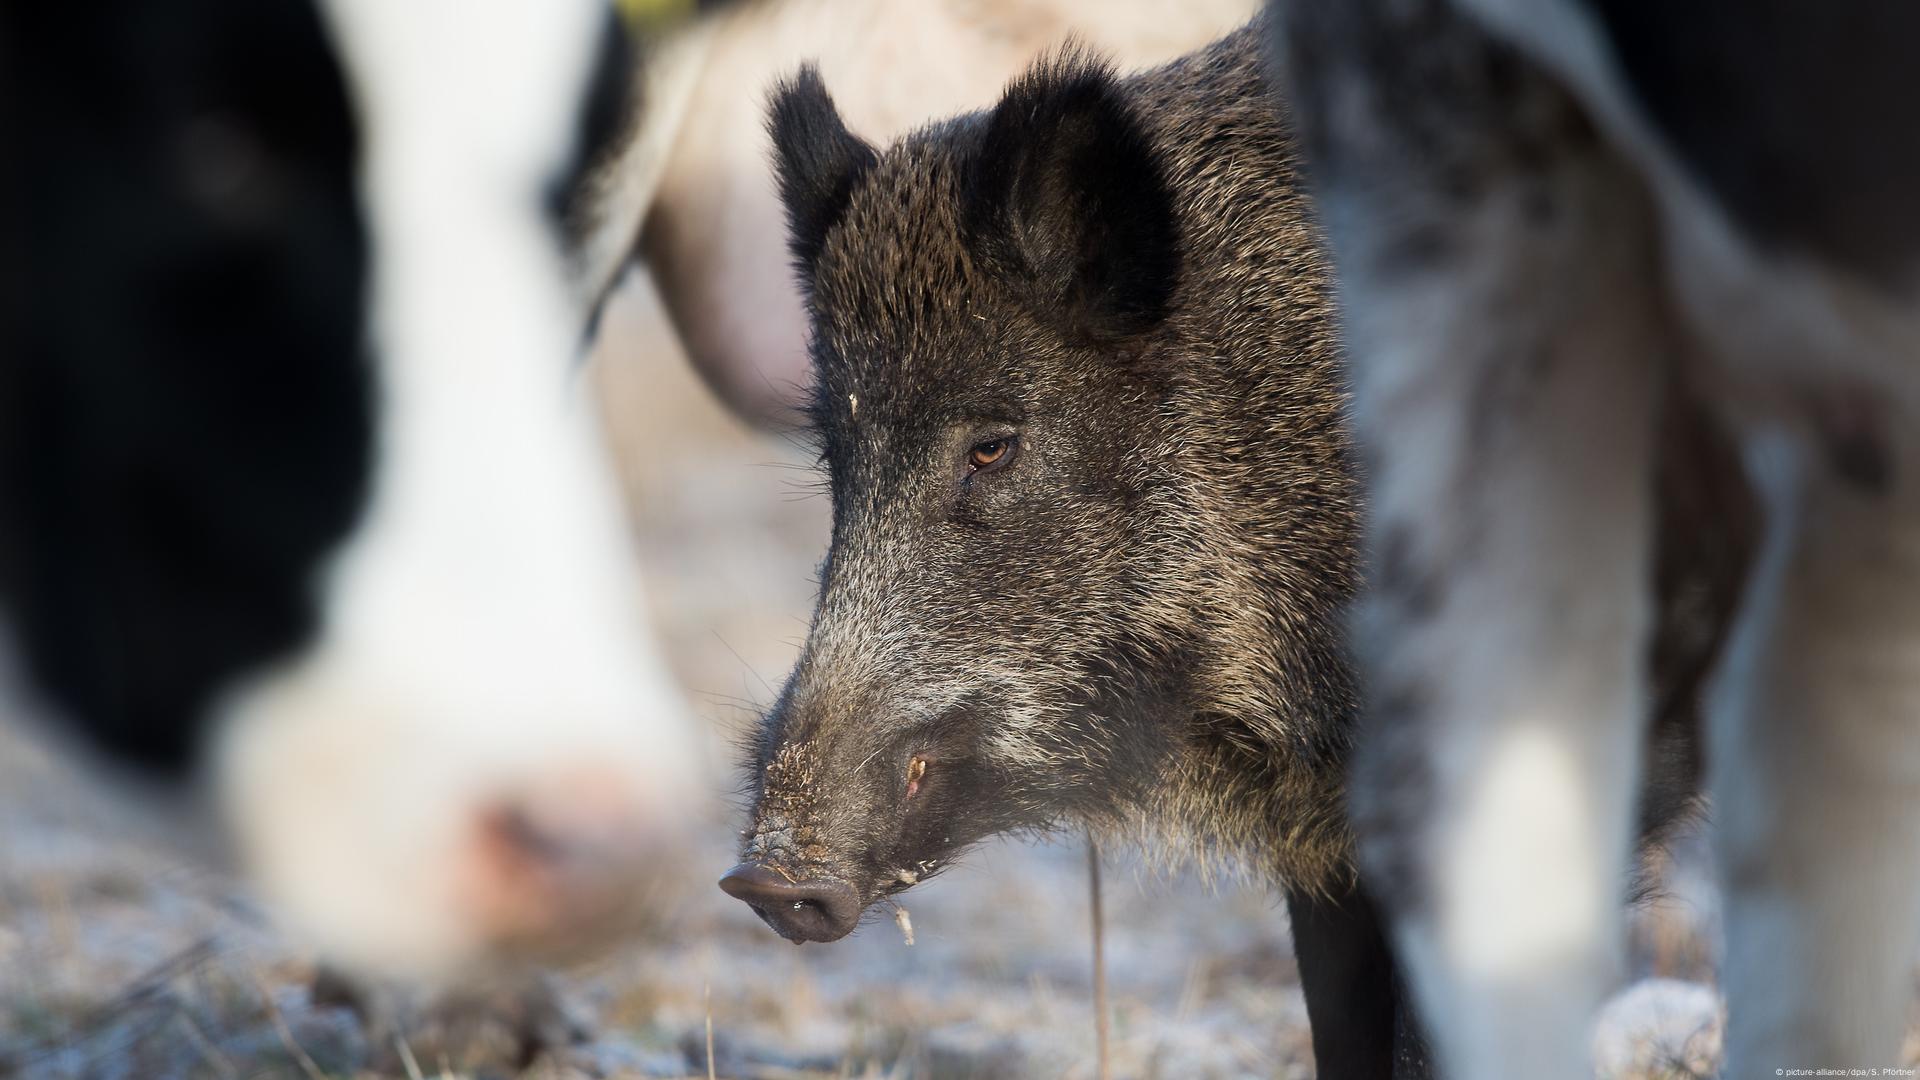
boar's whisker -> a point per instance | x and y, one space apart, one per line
1099 921
864 762
743 663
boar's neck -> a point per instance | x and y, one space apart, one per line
1271 514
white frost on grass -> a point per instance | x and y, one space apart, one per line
1659 1028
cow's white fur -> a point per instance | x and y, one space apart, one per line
1814 745
1533 657
1816 775
483 644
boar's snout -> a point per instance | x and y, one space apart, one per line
816 910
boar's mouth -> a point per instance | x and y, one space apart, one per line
818 856
798 909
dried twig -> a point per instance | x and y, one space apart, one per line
150 985
209 1053
148 988
710 1030
285 1032
407 1060
1100 1024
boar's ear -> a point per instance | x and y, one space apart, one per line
818 160
1066 191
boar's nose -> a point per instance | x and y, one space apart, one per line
799 911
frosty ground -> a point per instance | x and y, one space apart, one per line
122 957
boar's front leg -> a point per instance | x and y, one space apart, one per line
1363 1026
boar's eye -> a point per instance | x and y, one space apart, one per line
916 769
992 453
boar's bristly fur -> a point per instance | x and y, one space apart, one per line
1065 194
819 160
1137 621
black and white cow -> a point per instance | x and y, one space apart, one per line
1549 217
300 495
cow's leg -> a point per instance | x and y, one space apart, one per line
1503 636
1498 287
1362 1026
1815 762
1502 639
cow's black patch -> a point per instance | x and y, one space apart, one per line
1862 460
1393 792
185 414
1402 578
1796 117
608 104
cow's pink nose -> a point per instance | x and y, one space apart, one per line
554 872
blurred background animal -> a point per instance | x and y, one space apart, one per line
299 498
1555 222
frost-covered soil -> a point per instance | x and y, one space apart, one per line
120 957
